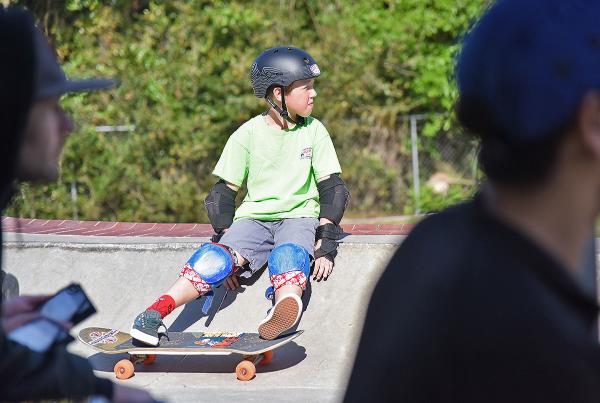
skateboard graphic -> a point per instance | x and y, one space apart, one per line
255 350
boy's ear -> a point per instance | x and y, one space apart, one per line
277 93
588 122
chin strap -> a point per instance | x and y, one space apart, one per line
283 110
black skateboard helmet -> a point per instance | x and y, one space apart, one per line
280 67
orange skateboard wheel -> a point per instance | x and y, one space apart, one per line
149 359
124 369
245 370
267 357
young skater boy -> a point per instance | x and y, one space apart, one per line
294 196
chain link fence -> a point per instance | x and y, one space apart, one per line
412 164
443 162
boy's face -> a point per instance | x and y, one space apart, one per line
300 96
47 128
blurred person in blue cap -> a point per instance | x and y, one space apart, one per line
32 134
485 302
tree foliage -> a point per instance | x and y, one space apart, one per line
184 72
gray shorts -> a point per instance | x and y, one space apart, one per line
255 239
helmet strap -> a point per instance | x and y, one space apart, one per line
283 109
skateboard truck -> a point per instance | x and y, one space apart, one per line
246 369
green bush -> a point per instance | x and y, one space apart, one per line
433 202
184 69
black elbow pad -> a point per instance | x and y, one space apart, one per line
333 198
220 206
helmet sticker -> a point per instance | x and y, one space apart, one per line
315 69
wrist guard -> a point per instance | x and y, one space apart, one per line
329 234
217 236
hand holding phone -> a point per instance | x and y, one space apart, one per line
68 306
19 310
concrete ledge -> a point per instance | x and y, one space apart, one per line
14 239
171 230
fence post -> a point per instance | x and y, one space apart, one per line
74 199
415 163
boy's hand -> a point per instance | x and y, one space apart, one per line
323 266
232 283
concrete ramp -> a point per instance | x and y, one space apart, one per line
123 275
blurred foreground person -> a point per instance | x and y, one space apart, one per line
33 128
485 302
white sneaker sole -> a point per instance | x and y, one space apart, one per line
143 337
284 315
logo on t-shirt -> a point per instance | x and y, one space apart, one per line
306 153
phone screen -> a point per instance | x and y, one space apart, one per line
65 304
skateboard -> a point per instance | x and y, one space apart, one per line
256 351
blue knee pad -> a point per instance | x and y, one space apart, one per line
289 257
212 262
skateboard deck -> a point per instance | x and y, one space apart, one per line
112 341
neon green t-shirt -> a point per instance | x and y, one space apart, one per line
280 167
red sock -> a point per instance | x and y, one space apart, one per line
164 305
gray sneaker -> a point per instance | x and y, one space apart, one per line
145 327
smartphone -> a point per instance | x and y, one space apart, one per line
70 304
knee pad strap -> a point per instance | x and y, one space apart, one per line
190 274
296 278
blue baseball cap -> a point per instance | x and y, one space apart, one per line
529 63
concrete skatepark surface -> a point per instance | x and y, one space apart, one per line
123 274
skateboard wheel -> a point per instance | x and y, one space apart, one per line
267 357
245 370
150 358
124 369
